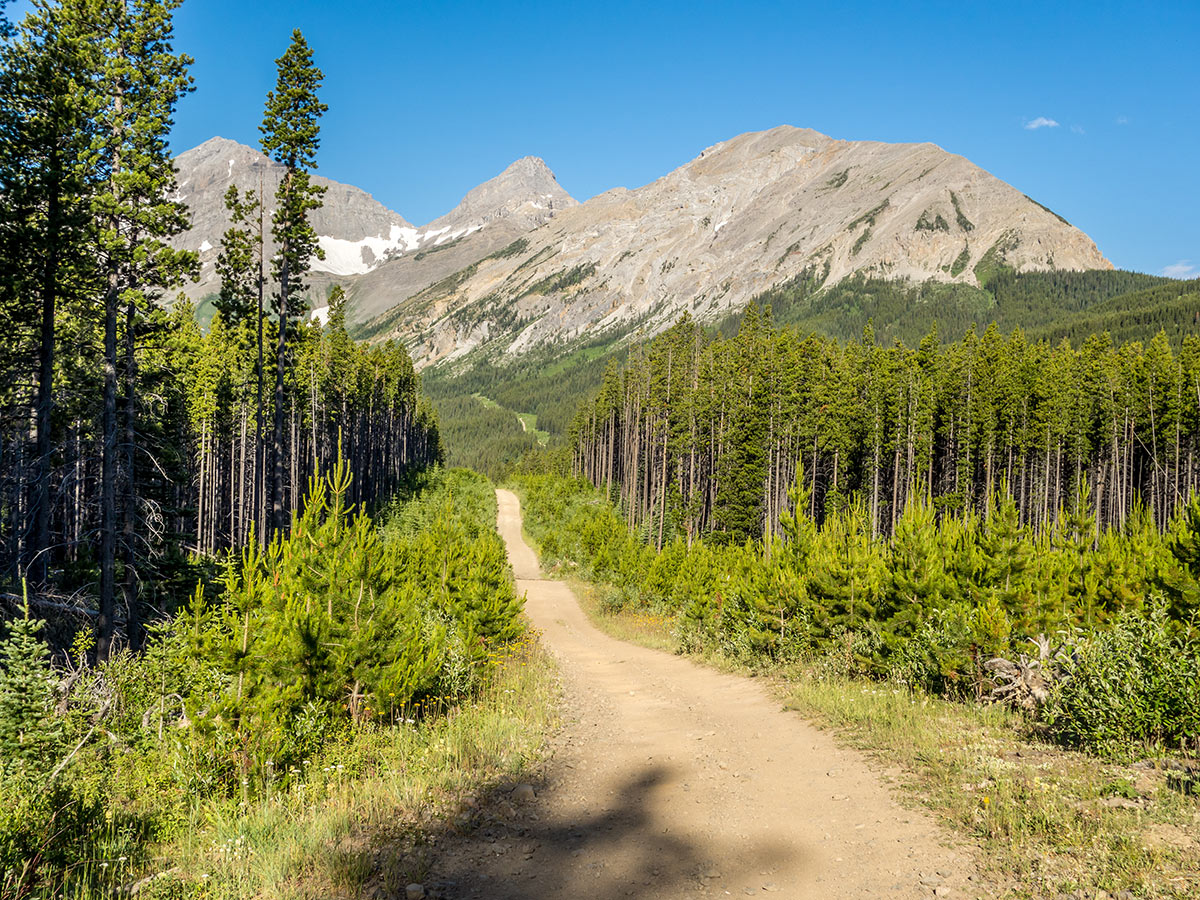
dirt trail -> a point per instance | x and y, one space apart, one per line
674 780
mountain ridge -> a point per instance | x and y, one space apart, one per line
744 216
356 232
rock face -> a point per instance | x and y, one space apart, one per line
746 215
526 195
490 217
356 232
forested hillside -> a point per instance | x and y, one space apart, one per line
133 444
1129 305
479 402
1050 306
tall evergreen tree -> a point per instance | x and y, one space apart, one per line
291 136
238 259
45 123
140 79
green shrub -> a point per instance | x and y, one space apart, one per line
342 620
1133 687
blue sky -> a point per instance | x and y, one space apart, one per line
428 99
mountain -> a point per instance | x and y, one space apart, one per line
358 233
490 217
746 216
526 194
355 230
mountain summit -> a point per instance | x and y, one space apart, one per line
357 232
526 192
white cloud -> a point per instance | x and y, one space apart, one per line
1077 129
1181 269
1122 120
1040 122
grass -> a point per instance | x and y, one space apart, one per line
529 423
646 628
1047 821
528 420
362 821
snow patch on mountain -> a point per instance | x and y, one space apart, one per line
343 257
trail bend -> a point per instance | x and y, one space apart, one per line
675 780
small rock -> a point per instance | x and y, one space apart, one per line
771 887
523 793
942 891
840 797
414 892
1120 803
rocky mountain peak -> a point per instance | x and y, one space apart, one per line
355 230
526 192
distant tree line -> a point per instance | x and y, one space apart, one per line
1051 305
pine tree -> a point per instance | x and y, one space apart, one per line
140 79
45 132
239 259
919 587
1181 582
291 136
30 736
1005 549
743 466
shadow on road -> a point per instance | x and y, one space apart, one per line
612 848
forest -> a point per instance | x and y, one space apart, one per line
699 437
132 443
224 551
924 516
1050 306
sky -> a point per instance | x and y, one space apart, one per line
1090 108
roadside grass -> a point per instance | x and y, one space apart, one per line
1049 822
361 820
647 628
